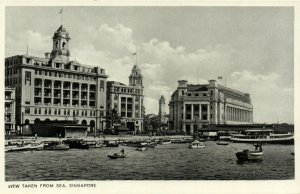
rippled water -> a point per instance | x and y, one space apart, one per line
165 162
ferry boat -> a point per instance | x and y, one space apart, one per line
263 136
197 144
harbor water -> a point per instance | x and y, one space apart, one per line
165 162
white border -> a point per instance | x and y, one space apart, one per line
161 187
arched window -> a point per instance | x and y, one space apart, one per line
84 122
37 121
64 44
47 120
26 122
56 45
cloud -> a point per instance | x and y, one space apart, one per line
16 43
270 98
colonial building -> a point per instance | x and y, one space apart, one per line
55 87
10 109
194 107
128 100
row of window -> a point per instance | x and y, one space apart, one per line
196 94
12 61
55 111
64 75
127 90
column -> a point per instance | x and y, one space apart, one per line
208 112
52 92
79 95
62 93
184 112
234 114
133 107
42 91
119 103
192 112
125 106
88 95
140 106
71 93
200 112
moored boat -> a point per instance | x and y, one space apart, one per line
197 145
56 145
165 141
76 144
252 156
94 144
25 147
263 136
111 143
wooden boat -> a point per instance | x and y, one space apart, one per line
76 144
55 145
222 143
197 145
141 149
247 155
26 147
17 148
165 142
111 143
116 156
36 146
94 144
262 135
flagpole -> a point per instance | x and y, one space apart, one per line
136 56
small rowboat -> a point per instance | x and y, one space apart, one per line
116 156
197 145
141 149
252 156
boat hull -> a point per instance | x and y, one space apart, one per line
249 156
287 140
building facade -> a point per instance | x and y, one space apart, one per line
128 100
55 87
194 107
10 109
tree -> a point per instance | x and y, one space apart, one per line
112 117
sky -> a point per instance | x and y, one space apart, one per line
253 47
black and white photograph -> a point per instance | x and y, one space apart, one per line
148 93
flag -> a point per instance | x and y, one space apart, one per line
220 77
134 53
60 12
